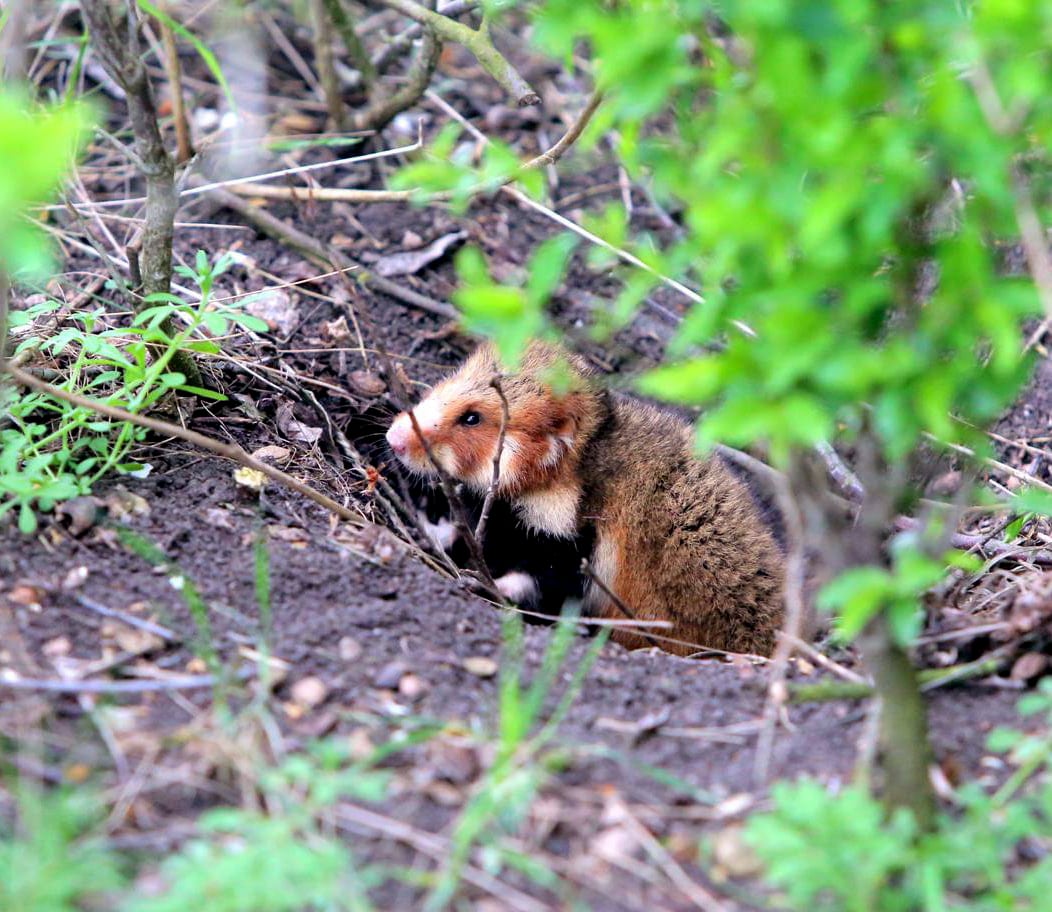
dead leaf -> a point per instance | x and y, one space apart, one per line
457 763
272 453
292 535
218 518
295 122
480 666
1028 665
367 384
275 308
410 262
336 330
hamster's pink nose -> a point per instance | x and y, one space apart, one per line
399 433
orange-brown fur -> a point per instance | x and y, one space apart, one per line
677 538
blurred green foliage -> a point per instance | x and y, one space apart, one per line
818 159
53 859
37 148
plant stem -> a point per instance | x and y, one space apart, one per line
906 752
476 41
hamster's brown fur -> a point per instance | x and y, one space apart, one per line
677 538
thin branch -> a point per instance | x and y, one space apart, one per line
130 619
174 68
460 513
846 480
491 493
615 599
386 107
478 42
355 49
401 41
151 685
317 252
792 625
330 82
570 136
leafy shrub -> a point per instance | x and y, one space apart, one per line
840 852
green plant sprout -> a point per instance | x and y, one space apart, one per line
54 450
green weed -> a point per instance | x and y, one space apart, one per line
54 450
51 860
841 852
523 763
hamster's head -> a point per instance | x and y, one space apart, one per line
552 408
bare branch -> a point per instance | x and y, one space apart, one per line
491 493
384 108
330 82
351 41
478 42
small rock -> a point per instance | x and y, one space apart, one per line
59 646
360 744
390 675
82 513
310 691
367 384
272 453
413 687
349 649
196 666
480 666
75 578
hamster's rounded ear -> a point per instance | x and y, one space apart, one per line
570 414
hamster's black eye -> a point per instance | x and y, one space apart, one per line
469 419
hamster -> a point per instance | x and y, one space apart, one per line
671 536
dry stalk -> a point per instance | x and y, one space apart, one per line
491 492
172 65
385 107
351 41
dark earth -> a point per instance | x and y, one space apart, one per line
387 633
